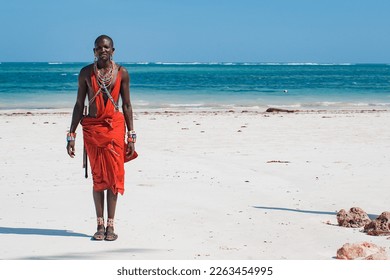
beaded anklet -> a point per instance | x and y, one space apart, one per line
100 233
110 234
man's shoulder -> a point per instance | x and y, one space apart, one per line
122 69
86 70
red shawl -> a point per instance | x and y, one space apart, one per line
104 140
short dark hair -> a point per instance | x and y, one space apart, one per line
102 37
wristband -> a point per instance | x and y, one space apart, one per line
71 136
131 136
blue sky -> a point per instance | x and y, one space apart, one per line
333 31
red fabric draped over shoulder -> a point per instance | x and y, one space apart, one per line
104 140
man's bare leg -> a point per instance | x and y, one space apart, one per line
111 207
98 198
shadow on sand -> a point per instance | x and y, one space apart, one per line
371 216
296 210
94 255
41 231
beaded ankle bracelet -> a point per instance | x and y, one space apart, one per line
110 222
100 221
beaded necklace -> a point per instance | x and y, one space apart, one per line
104 80
104 77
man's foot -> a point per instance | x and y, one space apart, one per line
110 234
100 234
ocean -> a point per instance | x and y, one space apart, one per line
193 86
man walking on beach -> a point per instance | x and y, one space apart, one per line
104 130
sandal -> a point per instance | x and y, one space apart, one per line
100 234
110 234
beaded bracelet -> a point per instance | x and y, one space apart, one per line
131 136
71 136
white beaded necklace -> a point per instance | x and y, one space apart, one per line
104 77
104 80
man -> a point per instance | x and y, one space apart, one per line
104 130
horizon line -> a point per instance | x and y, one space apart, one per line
208 62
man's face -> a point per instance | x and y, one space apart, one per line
103 49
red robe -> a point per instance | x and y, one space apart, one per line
104 139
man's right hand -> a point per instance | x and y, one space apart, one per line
71 149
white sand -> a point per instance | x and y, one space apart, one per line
207 185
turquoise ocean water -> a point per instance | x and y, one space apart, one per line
208 85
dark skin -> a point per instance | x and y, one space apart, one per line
103 52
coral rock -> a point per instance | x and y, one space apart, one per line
354 218
362 251
379 226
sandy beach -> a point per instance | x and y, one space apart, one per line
208 185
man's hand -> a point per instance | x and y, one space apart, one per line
71 148
130 149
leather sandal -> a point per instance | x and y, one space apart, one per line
110 234
100 234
